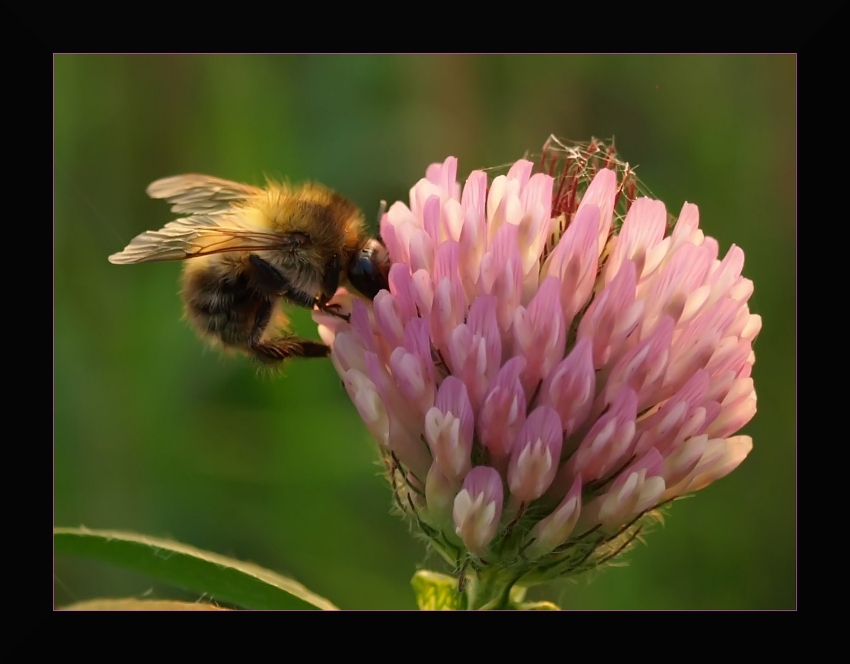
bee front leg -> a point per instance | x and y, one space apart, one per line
330 284
277 350
307 301
330 280
333 310
261 322
271 280
267 277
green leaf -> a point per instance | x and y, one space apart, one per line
134 604
436 591
221 578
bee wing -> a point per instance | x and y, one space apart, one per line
200 235
200 194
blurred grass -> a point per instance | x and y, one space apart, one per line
155 434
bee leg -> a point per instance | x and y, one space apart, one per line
333 310
330 284
330 281
273 351
273 281
307 301
267 277
270 280
261 321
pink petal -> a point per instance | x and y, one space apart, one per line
681 463
637 489
642 368
478 508
348 352
661 429
551 532
569 387
521 171
421 251
503 410
733 417
536 226
734 451
667 291
501 275
574 260
449 428
401 286
361 324
396 226
540 333
400 433
612 316
474 196
609 442
534 460
449 305
388 318
642 230
601 193
475 350
440 494
431 219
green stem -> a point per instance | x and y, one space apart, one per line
489 589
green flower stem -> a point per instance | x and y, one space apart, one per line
490 589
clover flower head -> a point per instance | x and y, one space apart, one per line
555 358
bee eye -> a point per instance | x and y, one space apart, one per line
368 273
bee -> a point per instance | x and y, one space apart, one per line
247 248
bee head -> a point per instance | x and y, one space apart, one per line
369 269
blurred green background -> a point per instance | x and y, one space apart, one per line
156 434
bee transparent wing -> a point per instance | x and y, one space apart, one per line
200 194
200 235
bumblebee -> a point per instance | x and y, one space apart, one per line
248 248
